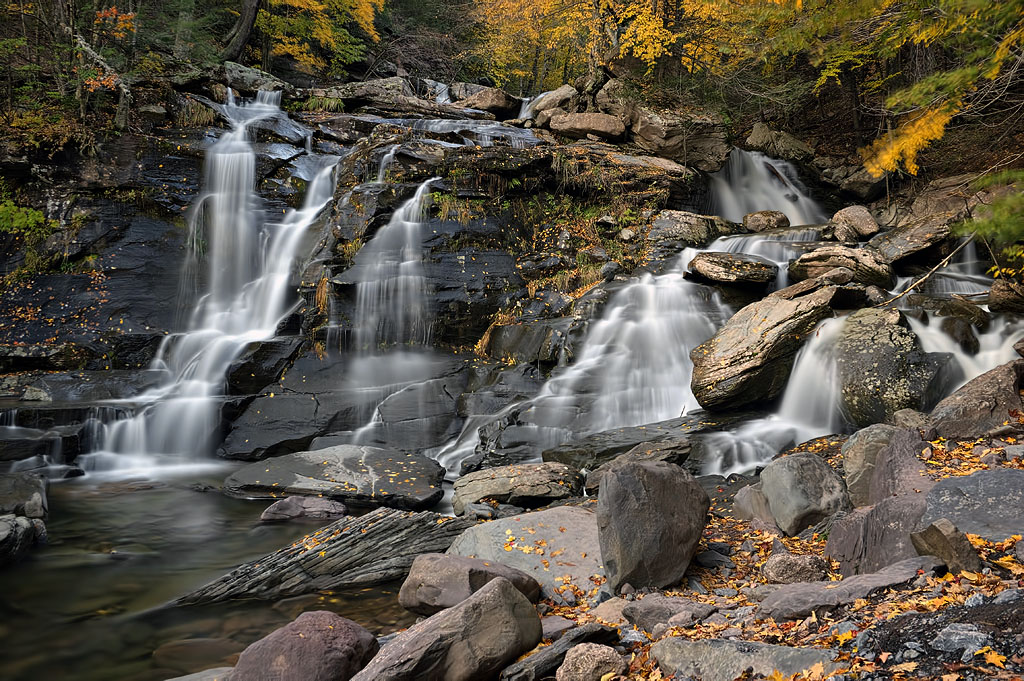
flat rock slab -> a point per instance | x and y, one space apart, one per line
724 660
733 268
358 475
558 547
988 503
371 549
524 485
795 601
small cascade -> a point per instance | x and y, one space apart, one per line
385 163
780 247
249 266
963 276
995 346
473 132
391 300
444 94
524 109
751 182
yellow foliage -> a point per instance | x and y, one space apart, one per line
924 127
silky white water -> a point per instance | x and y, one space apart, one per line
249 262
751 181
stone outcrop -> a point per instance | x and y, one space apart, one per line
526 485
867 265
437 581
733 268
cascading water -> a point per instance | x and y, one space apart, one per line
249 265
385 163
751 182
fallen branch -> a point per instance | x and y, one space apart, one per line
942 263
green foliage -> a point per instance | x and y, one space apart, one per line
1001 221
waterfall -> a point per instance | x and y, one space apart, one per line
752 181
385 163
249 264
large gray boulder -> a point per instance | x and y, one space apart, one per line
734 268
526 485
725 660
899 467
854 223
802 490
749 360
590 661
473 640
558 547
579 125
867 265
916 244
883 369
495 101
648 612
23 494
317 646
987 503
945 541
764 220
859 454
559 98
650 516
874 537
779 144
983 404
796 601
356 474
438 581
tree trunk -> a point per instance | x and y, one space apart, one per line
239 35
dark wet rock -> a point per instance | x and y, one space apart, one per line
795 601
293 508
526 485
783 567
882 367
549 545
589 661
438 581
802 490
943 540
492 387
725 660
648 612
867 265
275 423
960 638
542 663
748 361
23 494
859 454
541 341
980 503
688 229
650 517
249 80
579 125
18 535
873 537
854 223
181 656
673 451
360 475
495 101
371 549
765 220
913 245
317 646
261 364
473 640
53 357
779 144
1006 296
984 403
733 268
713 559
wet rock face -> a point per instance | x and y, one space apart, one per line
358 475
910 247
882 367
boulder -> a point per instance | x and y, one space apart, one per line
725 660
590 662
579 125
438 581
874 537
987 503
734 268
250 80
899 467
650 516
544 117
543 662
23 494
764 220
654 609
18 535
883 369
861 183
778 144
680 228
984 403
943 540
783 567
560 98
859 454
372 549
558 547
674 451
292 508
553 626
916 244
748 361
1006 296
525 485
750 503
867 265
317 646
355 474
498 102
802 490
796 601
854 223
473 640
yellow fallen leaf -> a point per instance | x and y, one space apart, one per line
904 667
994 658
